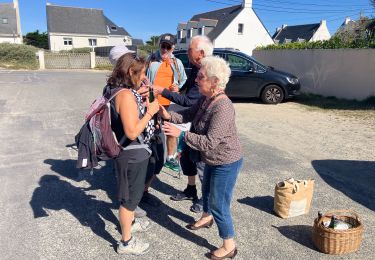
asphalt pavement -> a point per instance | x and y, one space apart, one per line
51 210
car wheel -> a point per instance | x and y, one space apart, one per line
272 94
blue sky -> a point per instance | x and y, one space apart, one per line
143 19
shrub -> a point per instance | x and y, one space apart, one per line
78 50
333 43
18 56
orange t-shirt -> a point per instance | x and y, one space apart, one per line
164 78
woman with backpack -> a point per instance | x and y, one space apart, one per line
131 122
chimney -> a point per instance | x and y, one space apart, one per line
347 20
284 26
247 4
323 23
18 20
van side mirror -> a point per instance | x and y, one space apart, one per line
251 70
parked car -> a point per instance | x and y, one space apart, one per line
250 78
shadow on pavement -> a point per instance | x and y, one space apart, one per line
263 203
356 179
302 234
162 215
57 194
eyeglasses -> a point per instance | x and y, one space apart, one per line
166 46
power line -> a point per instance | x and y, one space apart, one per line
304 4
277 9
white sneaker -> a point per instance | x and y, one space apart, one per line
139 213
140 225
134 247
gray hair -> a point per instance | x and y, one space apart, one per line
204 44
217 68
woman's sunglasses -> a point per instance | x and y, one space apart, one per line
166 46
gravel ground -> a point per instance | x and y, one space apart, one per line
50 210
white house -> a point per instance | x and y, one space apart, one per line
302 33
10 23
232 27
74 27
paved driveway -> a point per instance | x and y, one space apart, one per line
50 210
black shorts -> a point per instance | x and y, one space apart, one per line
190 168
130 182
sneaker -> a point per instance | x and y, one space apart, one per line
149 199
172 164
190 193
140 225
134 247
139 213
197 206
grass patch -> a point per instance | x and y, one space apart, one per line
18 56
104 67
320 102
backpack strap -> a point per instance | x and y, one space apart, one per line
116 93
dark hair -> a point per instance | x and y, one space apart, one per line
121 77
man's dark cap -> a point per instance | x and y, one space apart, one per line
167 38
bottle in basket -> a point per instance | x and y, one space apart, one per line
320 215
333 224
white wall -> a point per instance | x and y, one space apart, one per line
254 34
10 39
343 73
321 34
56 41
115 40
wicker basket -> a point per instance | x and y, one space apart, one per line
337 242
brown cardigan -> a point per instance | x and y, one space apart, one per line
215 134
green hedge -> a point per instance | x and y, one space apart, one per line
77 50
18 56
333 43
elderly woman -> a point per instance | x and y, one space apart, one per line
216 138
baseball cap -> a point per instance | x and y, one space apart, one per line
117 51
167 38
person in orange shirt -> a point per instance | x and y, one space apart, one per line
166 71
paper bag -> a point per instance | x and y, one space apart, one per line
293 197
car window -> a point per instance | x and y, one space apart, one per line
184 58
221 55
239 63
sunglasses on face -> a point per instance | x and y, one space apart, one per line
166 46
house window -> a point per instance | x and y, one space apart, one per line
179 35
240 28
189 33
113 28
5 20
201 31
68 41
92 42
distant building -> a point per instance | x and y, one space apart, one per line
302 33
10 23
236 27
356 29
75 27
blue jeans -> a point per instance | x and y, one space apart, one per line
217 189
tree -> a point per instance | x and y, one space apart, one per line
39 40
154 40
